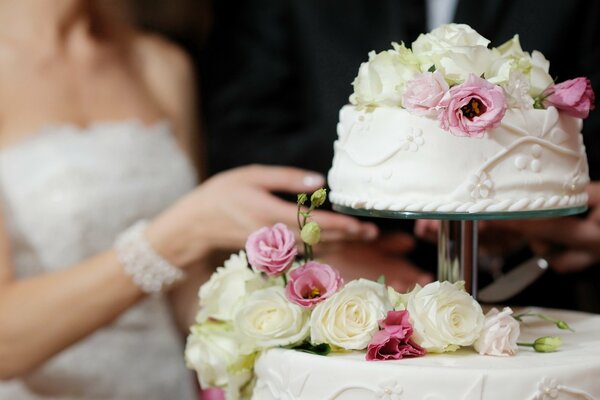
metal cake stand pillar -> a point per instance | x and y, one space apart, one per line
457 244
457 253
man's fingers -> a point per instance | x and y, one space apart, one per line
396 243
593 191
572 261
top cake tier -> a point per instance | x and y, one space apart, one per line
389 159
454 126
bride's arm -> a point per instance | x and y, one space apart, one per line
42 315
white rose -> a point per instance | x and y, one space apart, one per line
510 57
444 316
456 50
499 335
226 286
380 81
266 318
212 350
350 318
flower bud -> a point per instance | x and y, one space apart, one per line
311 233
302 198
318 198
547 344
563 325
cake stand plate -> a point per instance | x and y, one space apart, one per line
457 240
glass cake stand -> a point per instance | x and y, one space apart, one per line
457 240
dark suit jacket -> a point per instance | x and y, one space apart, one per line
276 72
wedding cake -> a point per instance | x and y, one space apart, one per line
448 126
452 126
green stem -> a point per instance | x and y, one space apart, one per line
525 344
285 280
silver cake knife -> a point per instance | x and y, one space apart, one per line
514 281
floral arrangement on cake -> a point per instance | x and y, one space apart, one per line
451 75
269 296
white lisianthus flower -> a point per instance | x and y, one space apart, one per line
456 50
226 286
350 318
499 335
266 318
213 351
539 77
380 81
517 90
444 316
510 57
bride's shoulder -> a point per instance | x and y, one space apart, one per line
162 63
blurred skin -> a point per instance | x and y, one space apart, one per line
569 243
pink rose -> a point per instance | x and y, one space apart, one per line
271 250
393 341
473 107
312 283
499 335
575 97
423 93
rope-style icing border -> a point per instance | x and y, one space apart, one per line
485 205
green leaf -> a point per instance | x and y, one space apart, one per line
320 349
381 279
432 68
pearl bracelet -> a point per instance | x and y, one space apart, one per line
148 270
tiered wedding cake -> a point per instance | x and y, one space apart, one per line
449 126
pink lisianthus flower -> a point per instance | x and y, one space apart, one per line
423 93
575 97
499 335
393 341
312 283
473 107
271 250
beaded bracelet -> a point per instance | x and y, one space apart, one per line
148 270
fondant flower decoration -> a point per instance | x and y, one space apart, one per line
413 140
271 250
312 283
389 390
472 108
547 390
575 97
480 186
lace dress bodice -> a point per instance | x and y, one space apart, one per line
66 193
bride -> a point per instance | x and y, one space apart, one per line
98 206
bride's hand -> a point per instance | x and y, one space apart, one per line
224 210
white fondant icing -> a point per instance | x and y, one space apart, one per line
436 175
570 373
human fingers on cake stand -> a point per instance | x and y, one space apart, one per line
427 229
383 256
570 244
225 209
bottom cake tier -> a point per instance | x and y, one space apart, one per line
573 372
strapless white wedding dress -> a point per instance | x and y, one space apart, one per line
66 193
